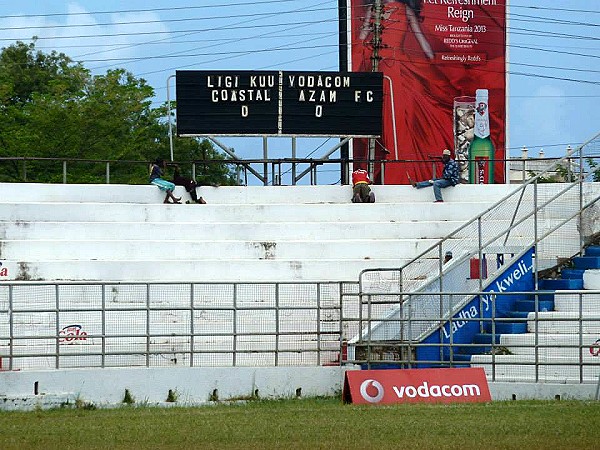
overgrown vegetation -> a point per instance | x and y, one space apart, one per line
128 398
311 423
54 108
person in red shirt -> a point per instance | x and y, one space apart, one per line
361 192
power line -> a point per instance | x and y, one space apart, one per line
147 22
291 47
171 8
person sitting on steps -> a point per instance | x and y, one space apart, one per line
361 192
156 173
189 184
450 177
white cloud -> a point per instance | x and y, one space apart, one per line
111 37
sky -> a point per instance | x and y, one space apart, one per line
553 50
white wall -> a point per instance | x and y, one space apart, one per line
148 386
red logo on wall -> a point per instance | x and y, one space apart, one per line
3 271
71 334
416 385
595 348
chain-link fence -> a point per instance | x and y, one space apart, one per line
60 325
557 346
86 325
401 307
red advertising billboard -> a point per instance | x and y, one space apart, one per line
465 385
436 56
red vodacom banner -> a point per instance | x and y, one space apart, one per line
435 55
416 386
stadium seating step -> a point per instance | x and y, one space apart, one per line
529 305
516 315
592 250
506 303
486 338
587 262
561 283
460 357
572 273
509 327
472 350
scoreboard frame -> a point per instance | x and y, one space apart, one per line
279 103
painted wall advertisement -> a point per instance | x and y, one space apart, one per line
373 387
517 277
444 67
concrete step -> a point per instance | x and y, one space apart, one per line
99 193
517 314
522 368
125 250
591 279
486 338
218 213
572 273
279 231
592 250
562 283
201 270
530 305
554 345
34 192
587 262
570 302
507 327
558 322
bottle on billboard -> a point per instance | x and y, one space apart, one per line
481 152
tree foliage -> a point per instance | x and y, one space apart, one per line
54 108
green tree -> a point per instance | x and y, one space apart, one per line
53 108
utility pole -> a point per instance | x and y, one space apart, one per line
375 58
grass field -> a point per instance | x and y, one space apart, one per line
310 424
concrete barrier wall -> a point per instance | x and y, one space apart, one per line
203 386
191 386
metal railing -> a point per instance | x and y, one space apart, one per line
555 220
47 325
560 346
271 171
85 325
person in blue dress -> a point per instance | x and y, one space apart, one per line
156 174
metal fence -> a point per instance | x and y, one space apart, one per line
58 325
401 307
85 325
559 346
267 171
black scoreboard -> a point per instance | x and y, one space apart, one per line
279 103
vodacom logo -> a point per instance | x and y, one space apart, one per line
372 391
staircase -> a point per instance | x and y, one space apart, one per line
109 276
554 338
244 234
427 313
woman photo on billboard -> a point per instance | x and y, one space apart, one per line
413 16
413 56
